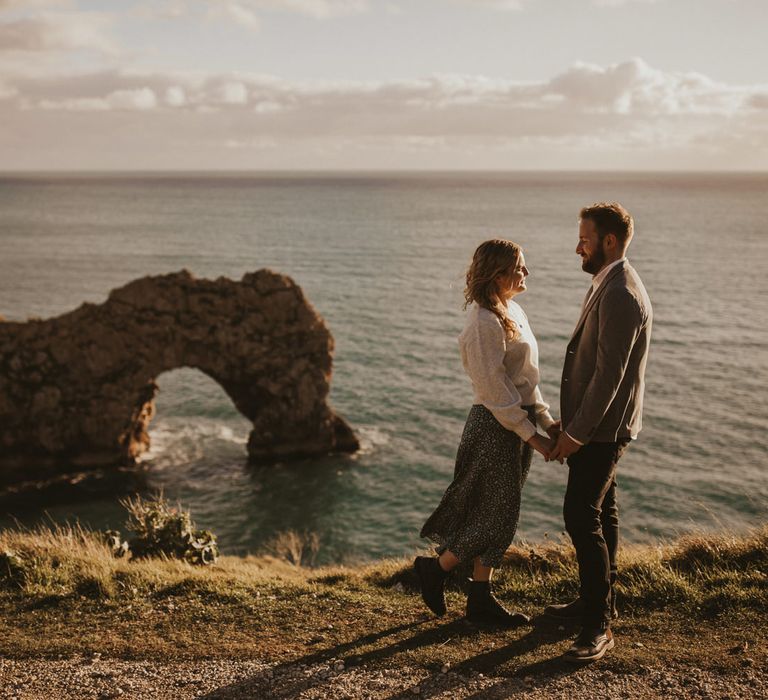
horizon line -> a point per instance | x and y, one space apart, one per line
373 171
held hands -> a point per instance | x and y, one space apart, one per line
564 448
542 445
557 447
554 430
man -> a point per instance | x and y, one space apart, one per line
601 402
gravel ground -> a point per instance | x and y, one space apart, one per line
100 678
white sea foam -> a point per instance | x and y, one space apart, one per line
177 442
371 438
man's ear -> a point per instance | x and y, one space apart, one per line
610 242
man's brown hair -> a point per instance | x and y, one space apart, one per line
610 217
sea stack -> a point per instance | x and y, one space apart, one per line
77 391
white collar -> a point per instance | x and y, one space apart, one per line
600 276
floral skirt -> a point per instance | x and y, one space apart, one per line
478 514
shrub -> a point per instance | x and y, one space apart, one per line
162 530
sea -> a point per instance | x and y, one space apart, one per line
382 258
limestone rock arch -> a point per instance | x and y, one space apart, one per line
77 391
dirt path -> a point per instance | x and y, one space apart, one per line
96 678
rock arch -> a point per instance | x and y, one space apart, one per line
77 391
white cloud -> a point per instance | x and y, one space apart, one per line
628 107
60 31
28 4
248 13
321 9
7 91
621 3
268 107
759 100
232 93
496 4
73 104
634 87
139 99
242 15
628 89
175 96
515 5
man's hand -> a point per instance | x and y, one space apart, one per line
564 448
554 430
542 445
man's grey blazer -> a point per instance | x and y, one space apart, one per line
601 393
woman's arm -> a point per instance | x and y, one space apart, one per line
483 355
543 416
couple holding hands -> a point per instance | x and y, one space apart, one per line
601 399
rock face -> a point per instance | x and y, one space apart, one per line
77 391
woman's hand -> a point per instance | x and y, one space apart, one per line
542 445
554 430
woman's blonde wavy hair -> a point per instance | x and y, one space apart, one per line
491 259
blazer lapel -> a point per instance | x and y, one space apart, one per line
593 299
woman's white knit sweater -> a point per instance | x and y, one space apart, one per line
504 372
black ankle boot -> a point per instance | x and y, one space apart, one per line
484 609
432 580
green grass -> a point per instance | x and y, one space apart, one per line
62 593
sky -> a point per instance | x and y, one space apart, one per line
383 85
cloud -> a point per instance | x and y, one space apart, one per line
621 3
62 31
140 99
631 88
515 5
248 13
27 4
759 100
634 87
321 9
242 15
175 96
232 93
496 4
629 107
7 91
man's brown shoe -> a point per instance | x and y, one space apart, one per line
590 645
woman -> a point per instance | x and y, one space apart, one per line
477 517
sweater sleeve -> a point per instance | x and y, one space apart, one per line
543 416
484 362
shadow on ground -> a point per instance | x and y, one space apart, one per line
291 678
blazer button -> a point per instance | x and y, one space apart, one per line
565 380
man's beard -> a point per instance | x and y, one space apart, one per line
595 262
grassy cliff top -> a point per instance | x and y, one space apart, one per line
700 601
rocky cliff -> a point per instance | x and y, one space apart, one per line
77 391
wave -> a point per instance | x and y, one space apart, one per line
173 442
371 438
